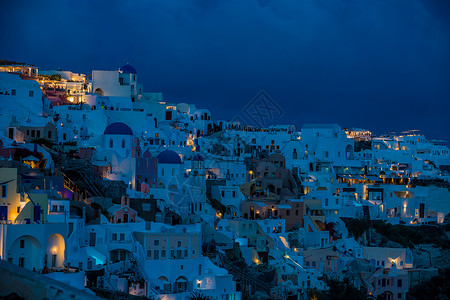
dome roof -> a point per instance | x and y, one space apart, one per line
197 157
127 69
169 157
118 128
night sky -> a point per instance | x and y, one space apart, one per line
380 65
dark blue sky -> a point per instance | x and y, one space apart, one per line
381 65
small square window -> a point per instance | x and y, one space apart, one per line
31 93
156 243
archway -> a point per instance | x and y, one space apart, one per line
99 91
26 251
165 282
55 251
271 188
386 296
118 255
181 284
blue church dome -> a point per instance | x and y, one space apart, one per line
169 157
127 69
118 128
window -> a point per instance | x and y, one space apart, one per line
223 193
61 208
64 136
114 236
54 207
179 244
181 267
199 269
18 209
111 144
13 92
234 194
399 283
149 253
49 134
122 236
288 212
156 256
326 202
38 133
22 244
172 253
30 93
156 243
4 191
163 253
21 262
123 143
185 253
399 295
92 238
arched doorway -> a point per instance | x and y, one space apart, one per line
386 296
26 251
55 251
99 91
180 284
271 188
165 282
118 255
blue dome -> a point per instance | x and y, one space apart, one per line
197 157
169 157
118 128
127 69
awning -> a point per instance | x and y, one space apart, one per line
31 158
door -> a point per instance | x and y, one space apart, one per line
3 213
54 261
125 218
